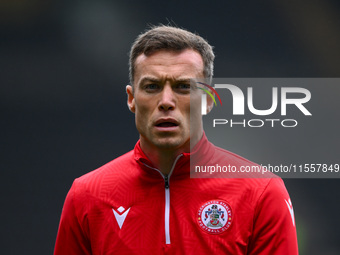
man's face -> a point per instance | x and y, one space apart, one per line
161 99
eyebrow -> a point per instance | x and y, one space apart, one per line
156 80
148 79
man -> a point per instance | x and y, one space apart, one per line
145 202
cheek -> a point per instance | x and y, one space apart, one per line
184 107
195 108
141 123
142 114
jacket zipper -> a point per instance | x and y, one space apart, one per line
167 198
167 210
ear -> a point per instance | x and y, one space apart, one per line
131 98
210 103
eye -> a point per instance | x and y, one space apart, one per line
183 87
151 87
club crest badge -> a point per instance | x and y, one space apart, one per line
214 217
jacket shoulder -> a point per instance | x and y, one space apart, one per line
107 175
230 156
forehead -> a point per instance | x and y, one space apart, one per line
169 64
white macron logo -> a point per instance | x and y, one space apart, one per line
120 218
290 208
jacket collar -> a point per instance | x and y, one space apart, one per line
202 152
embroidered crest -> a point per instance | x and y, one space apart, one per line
214 217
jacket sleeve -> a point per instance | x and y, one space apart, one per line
71 237
274 231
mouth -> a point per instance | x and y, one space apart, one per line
166 124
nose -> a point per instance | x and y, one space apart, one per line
167 101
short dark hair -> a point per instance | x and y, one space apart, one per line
171 38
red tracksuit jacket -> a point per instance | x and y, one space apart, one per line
128 207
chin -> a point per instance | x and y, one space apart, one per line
168 143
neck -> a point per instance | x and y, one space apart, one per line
164 158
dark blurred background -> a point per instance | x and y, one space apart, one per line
63 71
